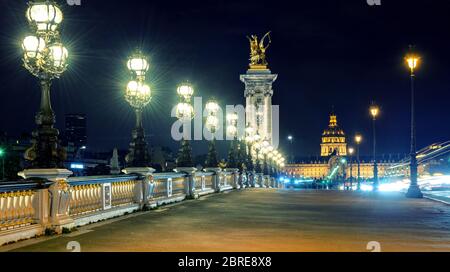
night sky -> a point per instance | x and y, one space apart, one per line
327 53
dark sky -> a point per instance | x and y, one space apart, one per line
341 53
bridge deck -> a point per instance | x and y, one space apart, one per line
270 220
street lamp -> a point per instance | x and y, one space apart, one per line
413 191
212 123
351 150
45 57
291 140
358 140
185 113
374 112
233 153
138 95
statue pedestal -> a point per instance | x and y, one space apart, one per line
258 93
59 196
190 183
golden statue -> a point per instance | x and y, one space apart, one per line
258 51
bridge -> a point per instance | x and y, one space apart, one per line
224 212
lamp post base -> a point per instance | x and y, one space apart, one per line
414 192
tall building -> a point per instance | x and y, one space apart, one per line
333 139
76 130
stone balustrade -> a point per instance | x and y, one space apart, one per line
29 208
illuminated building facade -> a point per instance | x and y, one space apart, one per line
333 140
333 144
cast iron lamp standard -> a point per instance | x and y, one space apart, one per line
2 155
413 190
351 151
249 138
185 113
45 57
233 153
138 95
291 152
358 140
212 123
374 112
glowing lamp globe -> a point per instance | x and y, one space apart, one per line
45 16
58 56
185 90
374 111
412 61
138 64
212 122
33 46
232 130
358 139
184 111
212 107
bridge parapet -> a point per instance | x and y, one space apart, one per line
33 207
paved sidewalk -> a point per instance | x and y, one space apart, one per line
272 220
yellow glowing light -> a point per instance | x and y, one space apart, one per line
374 111
358 139
33 46
351 150
412 61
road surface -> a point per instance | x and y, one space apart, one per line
269 220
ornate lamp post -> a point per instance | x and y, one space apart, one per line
413 191
249 141
374 111
358 140
185 113
45 57
291 140
351 150
233 154
212 123
138 95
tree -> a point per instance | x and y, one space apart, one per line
211 159
184 158
233 155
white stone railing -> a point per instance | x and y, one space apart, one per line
28 208
16 209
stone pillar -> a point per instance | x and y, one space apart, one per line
189 185
144 189
258 94
58 195
216 178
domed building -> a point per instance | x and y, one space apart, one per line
333 140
